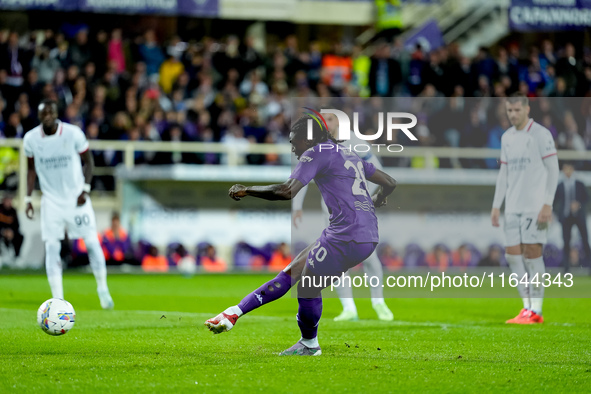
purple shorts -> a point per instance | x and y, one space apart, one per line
330 257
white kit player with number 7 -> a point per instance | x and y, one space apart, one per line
54 150
527 182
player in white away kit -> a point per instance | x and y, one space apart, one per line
527 182
372 265
54 149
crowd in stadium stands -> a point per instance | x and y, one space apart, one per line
162 88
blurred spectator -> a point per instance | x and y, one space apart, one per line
15 61
45 65
116 55
493 257
280 258
11 239
212 263
336 69
253 85
80 52
153 261
175 133
570 205
462 257
151 53
14 127
438 259
390 258
384 72
170 70
569 67
116 243
570 137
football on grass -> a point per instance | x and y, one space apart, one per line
56 316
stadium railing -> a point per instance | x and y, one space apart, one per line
234 153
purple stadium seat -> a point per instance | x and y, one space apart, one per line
503 259
170 249
200 250
243 253
552 255
268 250
476 254
414 256
141 249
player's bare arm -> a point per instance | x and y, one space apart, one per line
495 214
500 191
387 186
283 191
545 215
88 169
31 178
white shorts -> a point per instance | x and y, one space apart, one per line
80 222
522 228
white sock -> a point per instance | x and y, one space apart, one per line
53 267
345 293
536 293
348 305
234 310
517 266
373 268
97 262
310 342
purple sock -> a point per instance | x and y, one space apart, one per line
270 291
309 312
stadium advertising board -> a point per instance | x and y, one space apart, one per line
55 5
167 7
548 15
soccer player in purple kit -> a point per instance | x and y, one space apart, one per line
350 238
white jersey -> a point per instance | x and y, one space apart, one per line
523 152
57 161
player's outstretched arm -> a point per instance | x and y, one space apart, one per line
387 186
31 177
284 191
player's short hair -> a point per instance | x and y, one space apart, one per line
47 102
518 97
319 132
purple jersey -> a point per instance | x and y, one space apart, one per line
341 177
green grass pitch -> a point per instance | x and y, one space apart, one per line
155 341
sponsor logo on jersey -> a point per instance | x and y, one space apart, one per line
55 162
